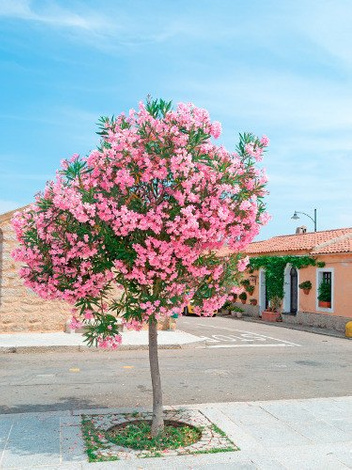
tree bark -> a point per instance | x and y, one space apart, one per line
158 421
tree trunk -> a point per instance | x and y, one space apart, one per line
158 421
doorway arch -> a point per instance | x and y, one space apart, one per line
263 293
290 303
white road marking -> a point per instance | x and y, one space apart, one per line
244 336
216 327
251 345
270 337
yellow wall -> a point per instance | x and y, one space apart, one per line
342 286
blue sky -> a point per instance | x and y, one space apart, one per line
280 68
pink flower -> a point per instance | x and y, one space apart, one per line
75 324
242 264
143 224
265 141
215 129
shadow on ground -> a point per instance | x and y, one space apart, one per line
67 404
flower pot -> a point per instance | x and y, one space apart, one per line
243 301
324 304
306 291
253 302
270 316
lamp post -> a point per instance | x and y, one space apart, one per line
314 220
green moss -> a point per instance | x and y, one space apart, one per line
275 270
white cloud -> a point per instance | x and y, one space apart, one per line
51 14
25 176
328 25
276 99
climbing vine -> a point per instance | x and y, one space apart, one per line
275 270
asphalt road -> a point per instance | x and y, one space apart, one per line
241 361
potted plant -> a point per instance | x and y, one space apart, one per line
305 286
243 297
250 289
253 301
226 308
234 297
247 286
245 283
324 295
237 312
272 314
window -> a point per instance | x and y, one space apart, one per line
325 290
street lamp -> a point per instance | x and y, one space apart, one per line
314 220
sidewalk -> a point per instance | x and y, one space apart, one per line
41 342
285 434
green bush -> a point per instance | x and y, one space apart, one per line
243 296
324 292
305 285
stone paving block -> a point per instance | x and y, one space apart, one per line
271 435
29 457
249 413
5 428
263 462
35 427
70 421
33 441
324 408
226 466
61 466
72 446
320 432
345 424
228 460
310 457
243 439
289 412
344 455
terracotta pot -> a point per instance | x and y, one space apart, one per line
243 301
306 291
253 302
323 304
270 316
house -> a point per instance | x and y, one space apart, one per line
21 310
332 249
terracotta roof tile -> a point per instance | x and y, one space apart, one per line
327 241
341 245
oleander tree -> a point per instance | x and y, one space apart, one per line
154 218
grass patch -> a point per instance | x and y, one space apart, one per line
128 435
233 448
137 435
94 442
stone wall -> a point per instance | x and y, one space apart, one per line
318 320
21 310
248 309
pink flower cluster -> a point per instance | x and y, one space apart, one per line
148 212
109 342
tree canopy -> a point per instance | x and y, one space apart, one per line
148 213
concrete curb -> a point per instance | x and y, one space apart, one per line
292 326
87 349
